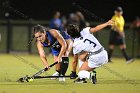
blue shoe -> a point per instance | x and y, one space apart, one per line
73 75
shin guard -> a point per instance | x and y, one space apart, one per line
64 65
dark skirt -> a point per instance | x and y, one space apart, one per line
115 38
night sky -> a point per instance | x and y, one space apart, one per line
43 9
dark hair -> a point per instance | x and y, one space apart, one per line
73 30
38 28
119 9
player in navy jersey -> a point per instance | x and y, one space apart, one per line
60 44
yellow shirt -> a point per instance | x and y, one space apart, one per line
119 23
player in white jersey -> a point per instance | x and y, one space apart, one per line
87 48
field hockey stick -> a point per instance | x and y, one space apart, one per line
40 77
35 75
43 70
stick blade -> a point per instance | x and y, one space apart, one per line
20 80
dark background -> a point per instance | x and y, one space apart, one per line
43 9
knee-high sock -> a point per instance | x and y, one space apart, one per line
84 74
64 65
125 54
110 53
80 63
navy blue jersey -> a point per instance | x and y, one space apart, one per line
50 38
53 42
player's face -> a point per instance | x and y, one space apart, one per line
118 13
40 36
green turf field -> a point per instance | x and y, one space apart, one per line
116 77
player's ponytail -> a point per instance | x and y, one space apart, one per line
32 38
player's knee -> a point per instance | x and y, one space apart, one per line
123 46
111 47
84 74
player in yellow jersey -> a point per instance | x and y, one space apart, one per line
117 35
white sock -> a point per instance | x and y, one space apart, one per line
84 74
80 63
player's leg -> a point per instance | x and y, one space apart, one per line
64 65
123 49
82 59
110 51
121 42
84 69
55 54
84 73
138 52
57 68
93 62
73 74
0 37
65 59
112 42
61 68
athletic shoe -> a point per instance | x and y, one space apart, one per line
130 60
62 79
55 74
93 77
73 75
80 80
109 61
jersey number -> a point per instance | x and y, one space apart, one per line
90 42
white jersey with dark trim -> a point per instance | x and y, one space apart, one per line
87 42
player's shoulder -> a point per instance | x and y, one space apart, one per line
85 31
122 17
86 28
114 17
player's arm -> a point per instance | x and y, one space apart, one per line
69 46
101 26
119 31
42 53
62 42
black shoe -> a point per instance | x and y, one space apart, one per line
109 60
130 60
73 75
93 77
80 80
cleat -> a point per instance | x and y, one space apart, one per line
20 80
73 75
130 61
55 74
80 80
62 79
110 61
93 77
